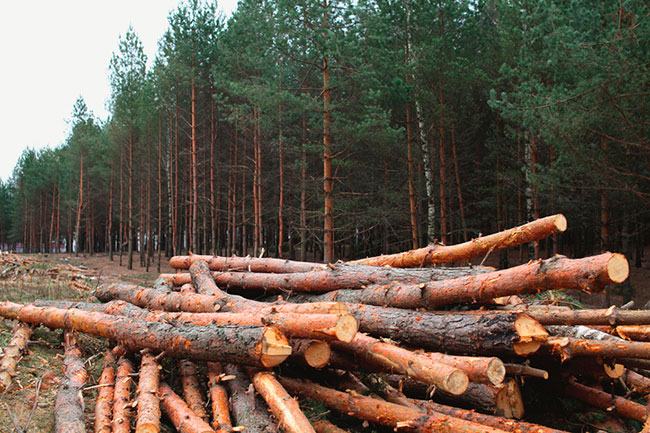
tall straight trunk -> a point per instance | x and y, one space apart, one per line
520 216
79 204
195 178
175 236
121 225
463 222
529 152
328 180
52 220
169 245
58 222
244 246
160 236
141 232
129 223
110 217
411 176
148 219
303 190
281 168
604 208
256 240
213 199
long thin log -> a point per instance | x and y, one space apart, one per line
569 347
122 413
606 401
179 413
634 332
12 354
416 365
251 345
324 426
525 370
246 409
221 421
612 316
556 273
478 247
249 264
104 402
478 369
148 414
381 412
636 381
192 389
283 406
69 405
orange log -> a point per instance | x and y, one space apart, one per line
221 421
612 316
192 389
148 415
179 413
283 406
122 404
637 382
381 412
501 400
478 247
413 364
568 347
104 402
69 405
606 401
313 352
478 369
634 332
12 354
240 264
324 426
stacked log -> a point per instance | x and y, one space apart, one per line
384 339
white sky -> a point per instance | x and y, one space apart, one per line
53 51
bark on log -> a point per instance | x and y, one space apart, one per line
221 421
501 400
122 413
607 347
283 406
324 426
12 354
634 332
416 365
69 404
525 370
314 353
104 402
637 382
246 409
251 345
556 273
179 413
148 414
606 401
612 316
478 369
381 412
192 389
478 247
248 264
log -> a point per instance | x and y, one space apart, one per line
69 404
251 345
386 391
283 406
249 264
634 332
525 370
192 389
179 413
478 369
637 382
314 353
557 273
381 412
247 410
607 317
122 414
502 400
104 402
478 247
324 426
458 333
568 347
606 401
221 422
20 336
148 413
416 365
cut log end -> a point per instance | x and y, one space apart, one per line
618 268
531 335
147 428
317 355
614 371
346 328
274 348
510 403
456 383
496 371
560 223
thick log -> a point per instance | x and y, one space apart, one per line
314 353
612 347
381 412
634 332
458 333
413 364
246 409
324 426
221 421
104 402
69 405
251 345
478 247
386 391
179 413
283 406
607 317
500 400
478 369
636 381
148 413
12 354
247 264
122 413
606 401
192 389
556 273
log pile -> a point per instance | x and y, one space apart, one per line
386 340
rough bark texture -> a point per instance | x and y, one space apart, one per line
634 332
324 426
478 247
104 402
148 415
244 264
606 401
501 400
478 369
314 353
192 389
69 404
637 382
609 317
251 345
179 413
221 421
122 413
12 354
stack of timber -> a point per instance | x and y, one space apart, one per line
231 344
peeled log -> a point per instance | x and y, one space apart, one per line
606 401
381 412
533 231
251 345
122 413
478 369
283 406
221 422
69 405
192 389
556 273
104 402
148 415
181 416
249 264
12 354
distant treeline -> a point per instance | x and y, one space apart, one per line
337 129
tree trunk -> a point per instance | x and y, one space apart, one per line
500 400
12 354
80 204
328 179
179 413
303 190
192 389
104 402
221 421
129 229
148 415
606 401
69 405
461 208
247 410
478 369
194 235
250 264
411 175
122 403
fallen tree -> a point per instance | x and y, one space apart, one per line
12 354
69 405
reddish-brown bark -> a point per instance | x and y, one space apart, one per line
478 369
221 421
548 315
179 413
122 413
324 426
148 415
192 389
12 354
104 402
69 405
606 401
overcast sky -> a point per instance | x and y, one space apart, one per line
54 51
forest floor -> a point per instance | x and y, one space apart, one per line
30 399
